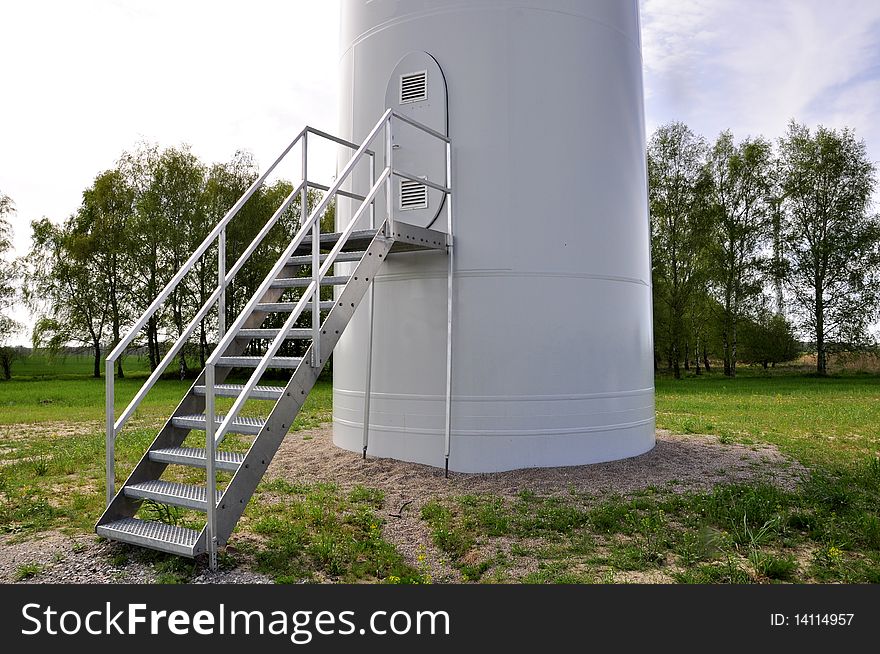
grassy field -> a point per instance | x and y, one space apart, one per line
827 529
818 421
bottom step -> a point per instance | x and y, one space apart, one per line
156 535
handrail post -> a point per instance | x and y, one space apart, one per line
449 276
316 265
221 281
210 474
389 189
369 379
110 433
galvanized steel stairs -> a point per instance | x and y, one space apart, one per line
368 250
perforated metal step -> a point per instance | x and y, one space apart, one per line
342 257
195 457
156 535
289 363
302 282
359 240
171 492
234 390
240 425
296 332
286 307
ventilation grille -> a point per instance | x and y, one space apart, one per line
414 87
413 195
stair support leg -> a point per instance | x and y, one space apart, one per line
369 378
210 473
449 279
110 434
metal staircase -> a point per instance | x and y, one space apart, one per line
363 250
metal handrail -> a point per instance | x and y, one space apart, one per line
206 307
314 286
218 233
294 244
311 294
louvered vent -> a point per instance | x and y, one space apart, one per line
413 195
414 87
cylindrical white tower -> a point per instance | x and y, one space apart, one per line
552 340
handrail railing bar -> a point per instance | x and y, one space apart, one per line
336 139
255 243
195 256
221 284
295 314
345 194
389 162
316 296
295 243
420 180
349 229
420 126
166 361
217 294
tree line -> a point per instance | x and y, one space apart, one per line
89 279
754 242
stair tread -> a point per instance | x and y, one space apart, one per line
296 332
250 426
171 489
333 237
277 307
129 529
234 390
239 387
342 257
199 453
239 420
254 361
302 282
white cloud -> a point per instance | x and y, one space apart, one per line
752 65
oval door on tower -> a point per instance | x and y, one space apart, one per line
417 89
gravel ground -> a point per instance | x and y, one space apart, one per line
677 463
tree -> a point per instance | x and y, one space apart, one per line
103 217
831 242
147 230
768 339
9 276
174 198
64 288
679 227
739 186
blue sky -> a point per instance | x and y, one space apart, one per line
82 81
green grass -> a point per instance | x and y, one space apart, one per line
27 571
826 530
818 421
315 532
52 474
71 366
